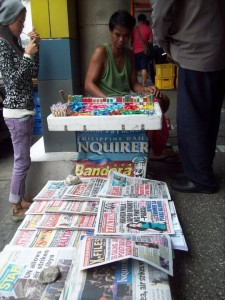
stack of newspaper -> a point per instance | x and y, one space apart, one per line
117 235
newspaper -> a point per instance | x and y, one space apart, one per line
73 207
48 238
65 221
30 222
123 280
38 207
53 190
59 190
154 250
178 239
20 269
89 189
133 216
119 185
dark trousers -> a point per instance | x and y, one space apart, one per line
199 102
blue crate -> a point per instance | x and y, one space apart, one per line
37 116
37 123
37 130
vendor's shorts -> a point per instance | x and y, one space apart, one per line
141 61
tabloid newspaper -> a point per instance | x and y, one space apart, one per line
133 216
154 250
73 207
178 239
88 189
30 222
48 238
38 207
65 221
53 190
119 185
123 280
63 206
20 269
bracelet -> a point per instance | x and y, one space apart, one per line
28 55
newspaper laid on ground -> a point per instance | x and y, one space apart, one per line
125 216
128 279
38 207
119 185
65 221
30 222
48 238
178 239
63 206
53 190
59 189
73 207
155 250
20 269
88 189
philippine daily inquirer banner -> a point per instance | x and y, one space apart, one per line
100 151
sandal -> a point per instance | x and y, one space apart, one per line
18 213
25 204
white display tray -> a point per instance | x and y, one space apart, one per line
114 122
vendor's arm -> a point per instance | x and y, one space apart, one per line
95 70
138 87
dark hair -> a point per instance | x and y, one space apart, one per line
121 18
142 18
6 34
137 228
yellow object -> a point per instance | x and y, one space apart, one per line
165 83
63 20
165 70
54 18
40 17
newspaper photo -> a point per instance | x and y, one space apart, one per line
73 207
20 269
65 221
133 216
123 280
119 185
155 250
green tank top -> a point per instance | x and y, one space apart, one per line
114 83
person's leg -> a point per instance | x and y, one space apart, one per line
21 132
144 64
199 102
144 75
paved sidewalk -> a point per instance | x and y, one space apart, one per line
198 273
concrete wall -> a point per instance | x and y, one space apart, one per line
93 19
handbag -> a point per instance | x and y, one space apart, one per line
147 47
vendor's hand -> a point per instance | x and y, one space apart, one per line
31 48
34 36
153 90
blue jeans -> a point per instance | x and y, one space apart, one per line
21 133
